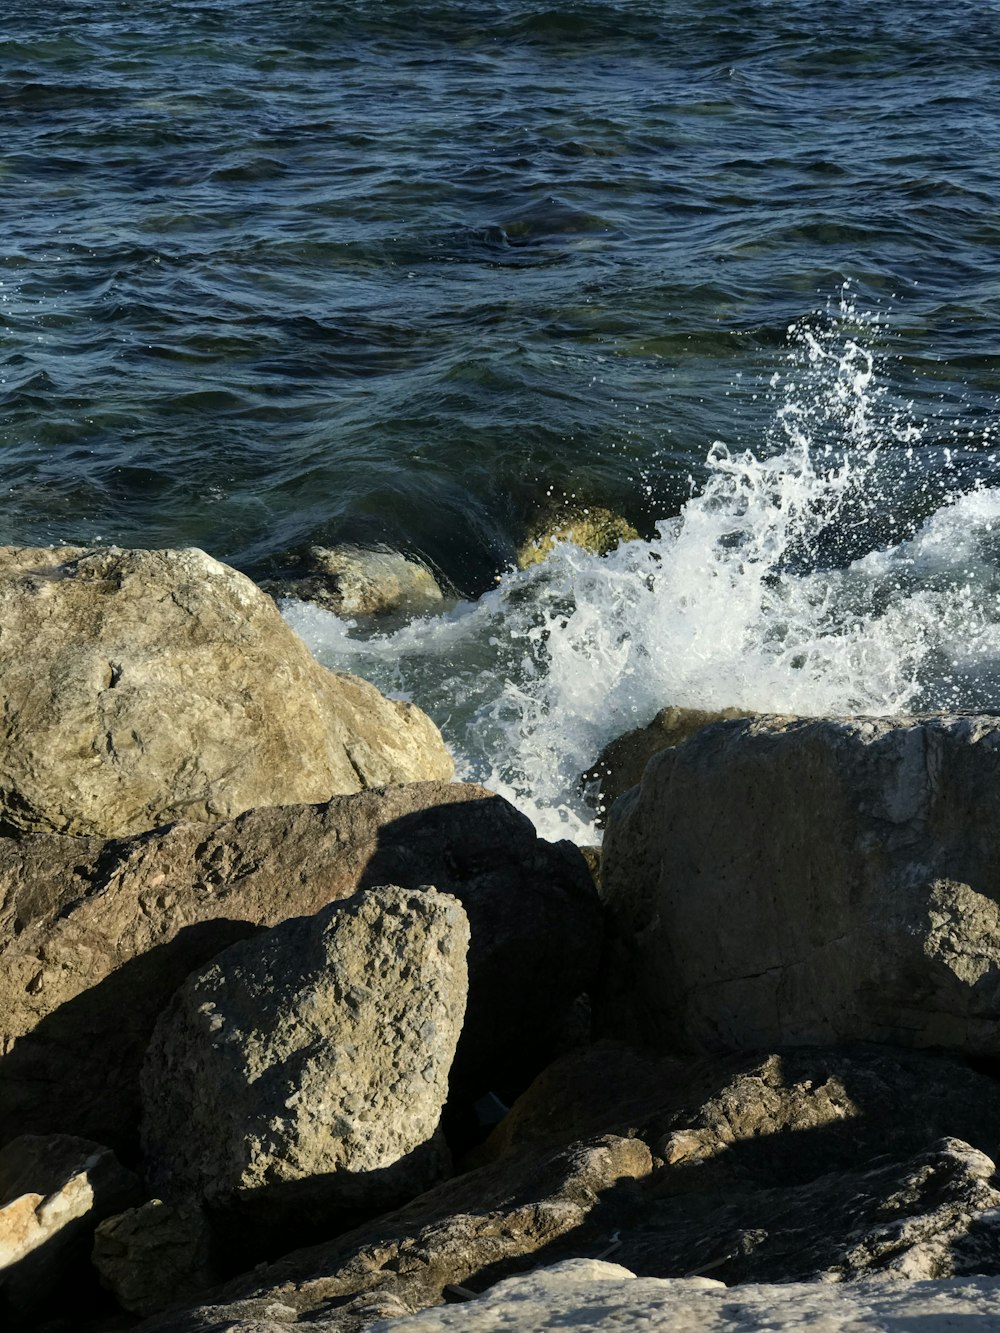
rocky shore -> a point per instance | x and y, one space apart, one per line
297 1031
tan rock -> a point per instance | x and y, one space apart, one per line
305 1070
140 687
607 1298
96 936
358 581
780 881
53 1192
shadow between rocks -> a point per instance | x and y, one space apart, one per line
77 1071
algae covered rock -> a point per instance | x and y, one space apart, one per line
140 687
594 529
307 1068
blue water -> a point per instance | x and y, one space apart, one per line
418 274
287 271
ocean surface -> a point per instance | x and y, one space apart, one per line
425 275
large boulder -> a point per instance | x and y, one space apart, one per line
305 1070
792 881
623 761
585 1294
53 1192
96 936
475 1227
140 687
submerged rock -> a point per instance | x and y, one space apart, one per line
594 529
779 881
140 687
54 1189
358 581
305 1070
96 936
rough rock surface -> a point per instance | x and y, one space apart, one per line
53 1192
355 581
155 1256
779 881
607 1298
932 1215
97 936
622 763
594 529
140 687
307 1068
473 1228
790 1116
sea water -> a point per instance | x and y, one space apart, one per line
785 584
428 273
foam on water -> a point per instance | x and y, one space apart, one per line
774 589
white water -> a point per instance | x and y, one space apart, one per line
769 591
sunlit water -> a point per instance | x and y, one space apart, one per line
277 272
771 591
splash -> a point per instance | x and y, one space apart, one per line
801 579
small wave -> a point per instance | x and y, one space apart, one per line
783 586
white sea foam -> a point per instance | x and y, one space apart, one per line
767 592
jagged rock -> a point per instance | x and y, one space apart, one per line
792 1115
97 936
481 1224
53 1192
594 529
305 1070
788 880
155 1256
140 687
622 763
355 581
608 1298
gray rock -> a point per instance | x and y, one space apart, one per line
785 881
608 1298
358 581
478 1225
140 687
156 1256
622 762
53 1192
96 936
306 1069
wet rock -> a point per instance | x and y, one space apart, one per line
622 763
789 880
608 1298
96 936
594 529
140 687
155 1256
356 581
304 1071
472 1228
53 1192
